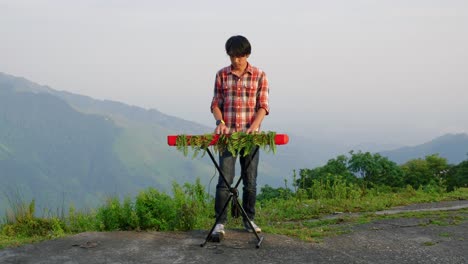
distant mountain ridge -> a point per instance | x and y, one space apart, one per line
103 107
62 148
453 147
59 147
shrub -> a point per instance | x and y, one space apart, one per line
116 216
269 193
191 205
155 210
20 221
80 221
457 176
428 171
334 187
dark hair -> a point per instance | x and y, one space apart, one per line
238 46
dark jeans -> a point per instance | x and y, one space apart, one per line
249 165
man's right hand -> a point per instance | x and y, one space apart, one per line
221 129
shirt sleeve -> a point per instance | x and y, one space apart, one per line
263 93
218 94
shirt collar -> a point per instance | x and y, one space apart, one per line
249 69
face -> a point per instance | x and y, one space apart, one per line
239 63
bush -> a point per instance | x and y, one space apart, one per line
151 210
334 187
21 222
375 169
80 221
269 193
428 171
155 210
457 176
114 216
191 205
50 227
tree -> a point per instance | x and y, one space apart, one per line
437 165
333 168
268 193
338 166
421 172
457 176
375 169
416 172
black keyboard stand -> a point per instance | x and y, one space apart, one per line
234 194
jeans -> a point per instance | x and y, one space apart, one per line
249 165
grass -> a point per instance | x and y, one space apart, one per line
440 218
15 241
190 207
292 216
316 230
445 234
308 231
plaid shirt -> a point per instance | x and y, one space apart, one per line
239 98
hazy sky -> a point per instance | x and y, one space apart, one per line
355 71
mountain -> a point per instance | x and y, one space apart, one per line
61 148
453 147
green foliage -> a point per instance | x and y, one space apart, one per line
116 216
80 221
51 227
428 171
191 202
197 142
22 223
334 187
236 143
338 166
151 210
375 169
333 180
432 173
417 172
19 210
192 209
362 172
457 176
269 193
155 210
279 210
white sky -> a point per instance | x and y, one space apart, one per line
387 71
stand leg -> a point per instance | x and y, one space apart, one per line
233 195
244 214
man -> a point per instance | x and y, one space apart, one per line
240 103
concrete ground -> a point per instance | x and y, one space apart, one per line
400 240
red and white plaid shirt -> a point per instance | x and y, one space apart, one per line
239 98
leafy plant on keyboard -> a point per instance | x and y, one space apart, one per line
237 143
